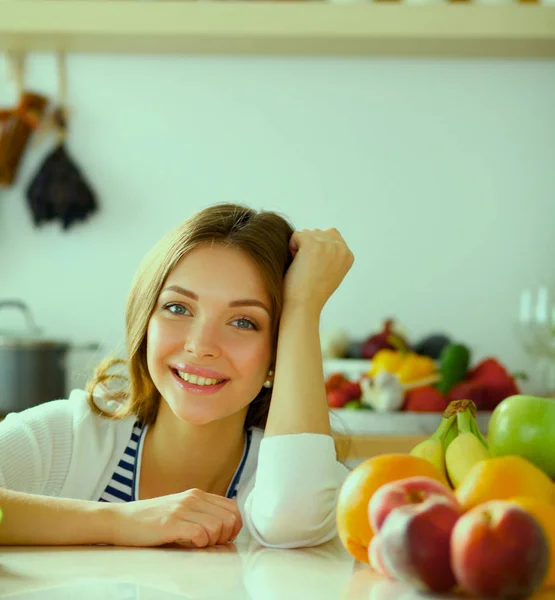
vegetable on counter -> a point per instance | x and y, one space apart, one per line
432 345
383 392
340 391
423 377
453 366
416 368
388 338
408 366
425 399
487 384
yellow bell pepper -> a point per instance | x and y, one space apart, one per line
386 360
416 367
408 366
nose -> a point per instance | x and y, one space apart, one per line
201 340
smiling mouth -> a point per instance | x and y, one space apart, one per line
197 379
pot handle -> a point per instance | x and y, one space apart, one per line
31 325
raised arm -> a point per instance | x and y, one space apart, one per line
292 503
299 405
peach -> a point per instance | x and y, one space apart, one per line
411 490
499 551
415 544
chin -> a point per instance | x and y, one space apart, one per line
193 415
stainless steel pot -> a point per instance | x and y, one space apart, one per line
32 368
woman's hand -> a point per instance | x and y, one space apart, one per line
193 518
321 259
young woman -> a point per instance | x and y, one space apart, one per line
223 418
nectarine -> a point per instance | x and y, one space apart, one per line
411 490
415 544
499 551
544 513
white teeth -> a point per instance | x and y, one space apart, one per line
197 380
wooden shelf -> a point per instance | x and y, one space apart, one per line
283 28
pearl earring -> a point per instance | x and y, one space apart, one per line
268 383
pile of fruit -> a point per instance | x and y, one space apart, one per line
405 380
461 512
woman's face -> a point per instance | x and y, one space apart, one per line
209 338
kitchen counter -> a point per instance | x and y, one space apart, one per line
243 570
240 571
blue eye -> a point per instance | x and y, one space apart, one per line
246 324
176 309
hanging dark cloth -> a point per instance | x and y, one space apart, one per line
59 191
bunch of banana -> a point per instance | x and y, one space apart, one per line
468 447
433 449
457 445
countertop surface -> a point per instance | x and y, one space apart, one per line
242 570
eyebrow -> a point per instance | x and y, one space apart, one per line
243 302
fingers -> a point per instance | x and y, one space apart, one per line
322 235
205 529
219 516
191 535
228 522
228 505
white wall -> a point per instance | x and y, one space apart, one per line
440 175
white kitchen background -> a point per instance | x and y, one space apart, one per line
439 174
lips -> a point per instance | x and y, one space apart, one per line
196 389
199 371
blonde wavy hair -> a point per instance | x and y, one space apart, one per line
263 235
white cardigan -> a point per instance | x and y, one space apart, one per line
287 494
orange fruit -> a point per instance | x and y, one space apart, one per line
544 513
502 478
353 527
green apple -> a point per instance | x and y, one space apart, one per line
525 425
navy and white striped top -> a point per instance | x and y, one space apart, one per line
123 484
121 487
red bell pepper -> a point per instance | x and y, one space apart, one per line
497 380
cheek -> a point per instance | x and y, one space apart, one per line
161 339
251 357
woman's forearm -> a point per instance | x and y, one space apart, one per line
40 520
299 402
